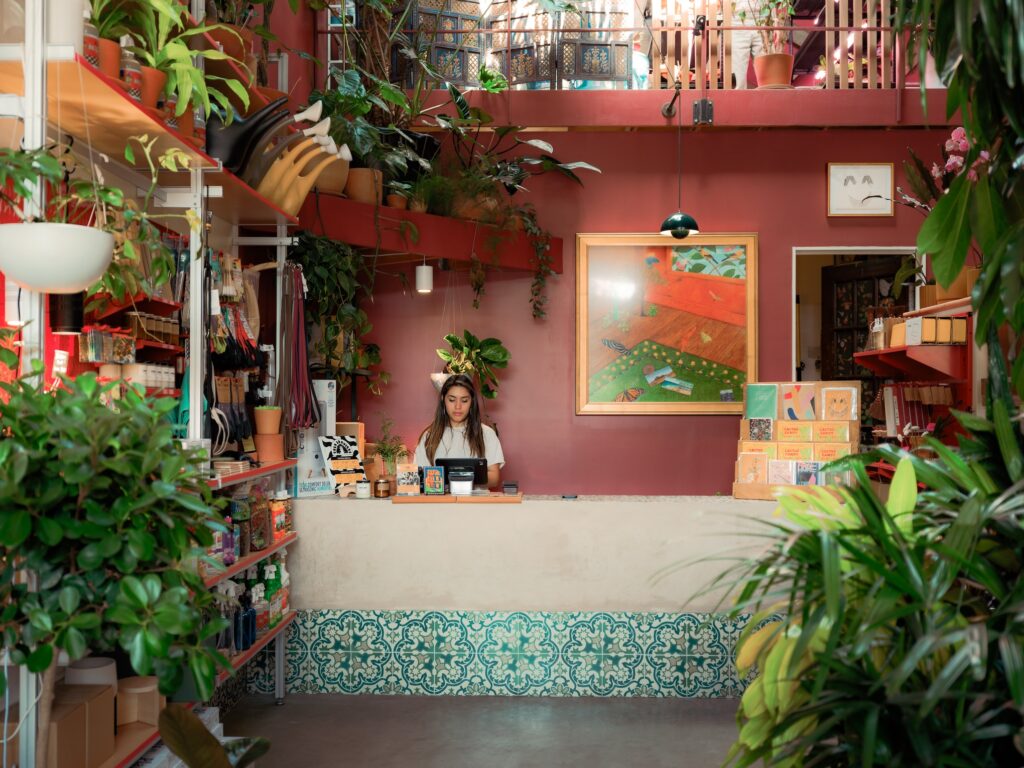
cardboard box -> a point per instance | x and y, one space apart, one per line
354 429
99 718
67 735
958 335
898 336
914 331
139 700
310 477
943 330
960 287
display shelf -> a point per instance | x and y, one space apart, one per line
132 741
238 202
493 498
150 305
438 237
925 362
85 103
163 346
251 559
240 477
162 392
239 661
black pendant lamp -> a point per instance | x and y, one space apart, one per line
66 313
679 224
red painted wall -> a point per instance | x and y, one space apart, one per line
771 183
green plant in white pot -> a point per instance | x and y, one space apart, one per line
479 358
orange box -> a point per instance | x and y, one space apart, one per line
99 718
961 285
926 296
68 735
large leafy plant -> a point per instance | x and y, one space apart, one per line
479 358
103 515
338 277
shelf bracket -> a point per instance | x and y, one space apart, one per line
182 197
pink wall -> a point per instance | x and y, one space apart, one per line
771 183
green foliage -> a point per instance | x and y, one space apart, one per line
977 52
540 240
162 32
479 358
389 447
110 17
769 13
110 514
186 736
337 278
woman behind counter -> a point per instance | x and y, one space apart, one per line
458 433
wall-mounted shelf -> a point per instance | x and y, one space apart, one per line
943 309
925 362
239 661
141 303
369 226
251 559
132 741
267 469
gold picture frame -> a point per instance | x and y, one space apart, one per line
861 189
665 326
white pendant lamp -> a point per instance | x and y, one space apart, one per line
424 277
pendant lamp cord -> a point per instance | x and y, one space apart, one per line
679 157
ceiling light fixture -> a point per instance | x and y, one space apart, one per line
424 277
679 225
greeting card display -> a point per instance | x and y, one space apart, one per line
433 481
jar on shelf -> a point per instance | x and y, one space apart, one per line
131 72
240 512
90 40
260 533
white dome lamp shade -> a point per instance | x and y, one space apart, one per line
51 257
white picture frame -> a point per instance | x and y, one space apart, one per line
861 189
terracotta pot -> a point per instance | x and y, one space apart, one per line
397 201
478 209
185 126
774 70
268 421
110 58
153 82
333 178
365 185
270 448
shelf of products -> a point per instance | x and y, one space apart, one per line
151 305
267 469
239 661
369 226
251 559
926 362
162 392
131 743
158 345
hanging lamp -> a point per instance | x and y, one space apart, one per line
424 277
679 224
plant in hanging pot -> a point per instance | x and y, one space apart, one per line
162 34
479 358
109 515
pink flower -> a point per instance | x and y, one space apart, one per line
963 146
954 163
936 172
959 134
983 156
951 146
972 175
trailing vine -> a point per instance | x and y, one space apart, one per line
540 240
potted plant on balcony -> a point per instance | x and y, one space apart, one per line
773 68
478 358
110 18
109 513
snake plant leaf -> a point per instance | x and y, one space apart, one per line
903 496
1009 441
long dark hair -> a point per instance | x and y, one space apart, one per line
474 428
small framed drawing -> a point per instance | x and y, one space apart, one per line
860 189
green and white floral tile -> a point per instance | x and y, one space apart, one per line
508 654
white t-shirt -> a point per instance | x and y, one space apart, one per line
454 445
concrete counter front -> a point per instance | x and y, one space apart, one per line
544 598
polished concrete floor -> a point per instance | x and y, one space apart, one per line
484 732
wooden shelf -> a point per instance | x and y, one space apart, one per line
150 344
162 392
240 477
87 104
132 742
494 498
370 226
240 660
150 305
925 362
943 309
251 559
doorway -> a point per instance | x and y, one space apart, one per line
835 291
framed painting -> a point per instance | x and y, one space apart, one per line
861 189
665 326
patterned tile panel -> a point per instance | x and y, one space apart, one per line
473 653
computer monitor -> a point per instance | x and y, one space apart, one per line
477 466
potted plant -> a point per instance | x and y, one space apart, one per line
390 449
337 278
775 65
478 358
110 18
108 513
162 34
